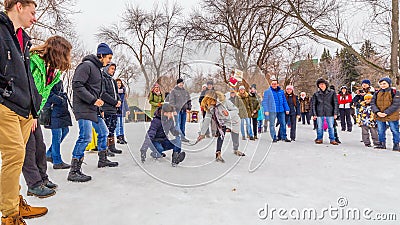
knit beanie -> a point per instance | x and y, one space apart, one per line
103 49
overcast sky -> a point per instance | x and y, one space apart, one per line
95 14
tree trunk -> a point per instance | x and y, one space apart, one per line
394 58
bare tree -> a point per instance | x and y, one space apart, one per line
324 19
252 29
149 36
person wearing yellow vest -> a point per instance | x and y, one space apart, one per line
385 104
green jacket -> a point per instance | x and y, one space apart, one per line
154 100
38 69
254 103
243 104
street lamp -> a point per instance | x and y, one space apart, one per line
351 87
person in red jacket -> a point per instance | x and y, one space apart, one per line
345 100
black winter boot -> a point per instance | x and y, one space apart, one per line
75 174
396 147
121 140
104 162
177 157
111 145
381 145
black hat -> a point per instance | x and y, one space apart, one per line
180 80
322 80
253 86
210 82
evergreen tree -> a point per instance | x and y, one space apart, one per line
367 50
326 56
348 63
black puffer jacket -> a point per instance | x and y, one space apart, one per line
110 95
21 94
58 99
87 88
324 103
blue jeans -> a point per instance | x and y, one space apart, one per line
320 128
394 127
85 136
119 130
282 121
58 136
248 127
181 121
165 145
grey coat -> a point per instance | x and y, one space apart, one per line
180 99
232 121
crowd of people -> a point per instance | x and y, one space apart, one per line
32 94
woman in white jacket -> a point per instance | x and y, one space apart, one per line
226 117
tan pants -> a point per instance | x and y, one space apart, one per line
14 134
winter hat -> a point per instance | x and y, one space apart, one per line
210 82
366 81
368 96
166 107
322 80
343 87
387 79
103 49
204 86
253 86
332 87
290 87
180 80
242 87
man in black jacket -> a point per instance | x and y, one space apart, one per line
87 92
324 106
111 103
19 102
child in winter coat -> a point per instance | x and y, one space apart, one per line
366 120
163 123
226 117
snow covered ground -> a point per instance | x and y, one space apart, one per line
294 176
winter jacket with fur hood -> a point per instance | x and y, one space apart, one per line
232 121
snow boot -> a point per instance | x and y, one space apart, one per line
28 212
382 145
238 153
111 145
177 157
396 147
121 140
75 174
218 157
104 162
